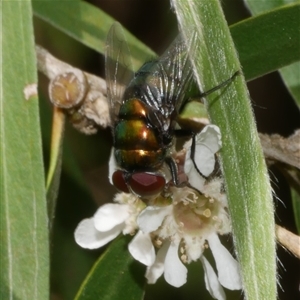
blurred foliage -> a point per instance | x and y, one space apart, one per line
86 157
24 255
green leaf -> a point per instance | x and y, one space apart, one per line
258 7
54 172
290 74
242 161
269 41
89 25
24 235
296 205
291 77
264 43
116 275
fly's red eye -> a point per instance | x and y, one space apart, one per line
119 181
144 184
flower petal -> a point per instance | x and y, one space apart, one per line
208 142
204 159
211 280
211 137
112 165
228 267
175 271
152 217
87 236
141 248
110 215
195 179
156 270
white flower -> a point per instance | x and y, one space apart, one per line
181 223
192 222
109 221
186 226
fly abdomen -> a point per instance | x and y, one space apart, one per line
133 109
138 145
134 160
136 134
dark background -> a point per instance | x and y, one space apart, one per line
154 23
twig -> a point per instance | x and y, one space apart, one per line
81 95
288 240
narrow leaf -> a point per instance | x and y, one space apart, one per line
116 275
269 41
54 172
278 30
23 213
87 24
290 74
257 7
296 205
247 182
291 77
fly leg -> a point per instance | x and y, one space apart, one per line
202 95
186 133
176 169
193 152
172 163
173 168
219 86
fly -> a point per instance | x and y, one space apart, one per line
144 110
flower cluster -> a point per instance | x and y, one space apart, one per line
176 228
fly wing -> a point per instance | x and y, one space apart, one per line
118 68
178 71
168 79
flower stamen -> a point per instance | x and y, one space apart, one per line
207 213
